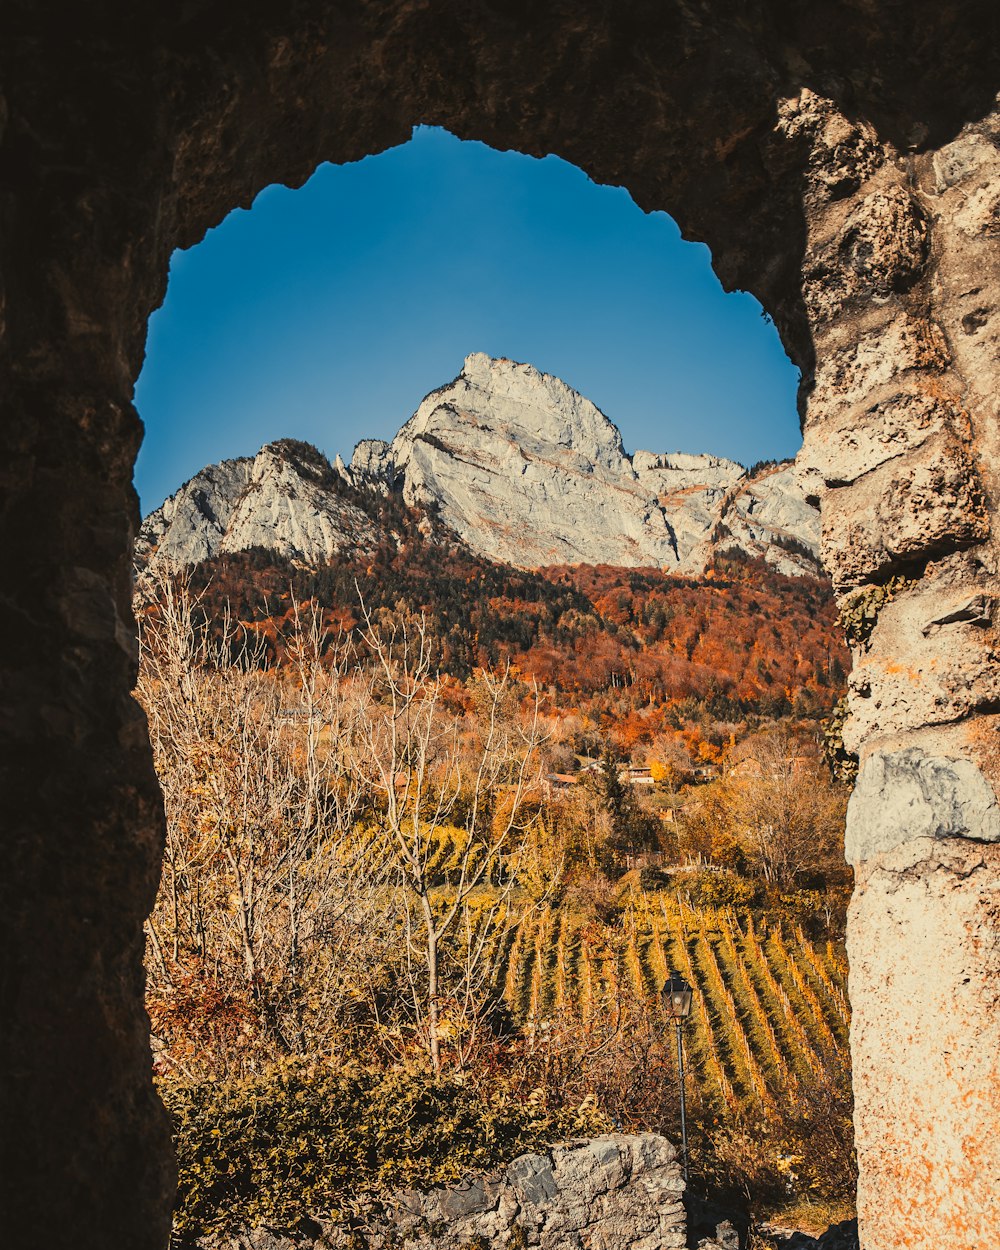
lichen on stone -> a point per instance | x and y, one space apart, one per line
841 762
859 611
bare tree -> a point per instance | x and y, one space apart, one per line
776 809
433 785
268 894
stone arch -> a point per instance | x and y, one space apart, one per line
841 161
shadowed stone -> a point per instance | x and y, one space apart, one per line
532 1178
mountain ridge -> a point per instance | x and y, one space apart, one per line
512 463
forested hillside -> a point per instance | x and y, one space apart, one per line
634 648
439 828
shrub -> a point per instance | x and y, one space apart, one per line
722 889
652 879
591 894
304 1140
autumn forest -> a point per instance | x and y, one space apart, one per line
438 829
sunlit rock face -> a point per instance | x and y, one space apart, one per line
287 498
519 467
901 451
767 515
528 472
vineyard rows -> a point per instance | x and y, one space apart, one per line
770 1009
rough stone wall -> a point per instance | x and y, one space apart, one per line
618 1192
834 156
902 280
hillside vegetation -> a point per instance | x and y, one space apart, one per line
631 645
383 866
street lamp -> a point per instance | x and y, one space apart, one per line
676 995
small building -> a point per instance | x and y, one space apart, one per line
560 781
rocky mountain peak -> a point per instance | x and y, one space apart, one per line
302 458
496 398
287 498
519 466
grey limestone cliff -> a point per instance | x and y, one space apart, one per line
288 498
517 465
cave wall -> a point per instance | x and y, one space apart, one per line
841 161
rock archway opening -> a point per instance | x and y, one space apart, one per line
327 313
513 481
841 167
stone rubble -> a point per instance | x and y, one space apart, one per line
616 1192
842 1236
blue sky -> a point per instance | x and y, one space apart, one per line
327 313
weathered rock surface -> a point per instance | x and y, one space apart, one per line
901 450
527 471
618 1192
924 941
841 161
724 1237
288 498
767 515
519 466
902 796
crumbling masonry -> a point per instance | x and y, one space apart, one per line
840 157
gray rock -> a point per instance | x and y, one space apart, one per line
528 472
467 1199
843 1236
974 610
285 499
904 795
725 1237
520 466
617 1192
372 463
532 1179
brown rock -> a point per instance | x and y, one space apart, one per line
840 161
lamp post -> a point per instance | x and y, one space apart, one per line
676 995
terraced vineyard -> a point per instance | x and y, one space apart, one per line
770 1010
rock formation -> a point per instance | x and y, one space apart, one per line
517 466
288 498
839 158
901 450
527 471
618 1192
